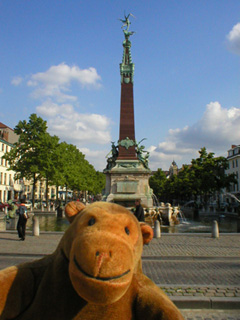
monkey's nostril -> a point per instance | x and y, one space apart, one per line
97 253
110 254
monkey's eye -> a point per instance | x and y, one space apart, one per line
127 231
91 221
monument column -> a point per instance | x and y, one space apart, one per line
127 170
127 128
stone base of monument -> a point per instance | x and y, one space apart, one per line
128 181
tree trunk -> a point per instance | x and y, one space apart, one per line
66 195
46 194
34 188
57 193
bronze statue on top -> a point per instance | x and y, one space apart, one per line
126 23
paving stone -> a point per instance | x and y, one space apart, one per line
209 294
192 269
211 315
218 294
228 294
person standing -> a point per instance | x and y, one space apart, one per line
139 212
22 220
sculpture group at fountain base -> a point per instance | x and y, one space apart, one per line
128 181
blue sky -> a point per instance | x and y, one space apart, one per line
60 59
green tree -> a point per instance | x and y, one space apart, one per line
59 158
158 183
183 184
37 155
204 177
49 159
77 173
99 183
25 158
209 174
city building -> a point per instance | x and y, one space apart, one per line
233 158
22 188
9 187
173 169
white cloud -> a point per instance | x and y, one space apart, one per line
56 81
216 130
233 39
16 81
73 127
96 157
51 109
53 88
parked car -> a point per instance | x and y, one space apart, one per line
38 204
3 205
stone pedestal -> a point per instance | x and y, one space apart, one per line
215 230
35 226
128 181
157 229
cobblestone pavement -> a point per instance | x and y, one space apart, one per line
46 243
198 271
195 267
201 291
194 245
211 314
169 245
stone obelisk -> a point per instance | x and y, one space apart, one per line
127 170
127 127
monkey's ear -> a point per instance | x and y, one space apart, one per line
147 232
72 209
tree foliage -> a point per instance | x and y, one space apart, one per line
158 183
25 157
204 177
38 155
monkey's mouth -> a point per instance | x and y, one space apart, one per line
98 278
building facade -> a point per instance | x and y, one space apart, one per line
234 167
9 187
22 188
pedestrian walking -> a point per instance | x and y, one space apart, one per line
139 212
22 220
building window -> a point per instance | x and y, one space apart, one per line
236 162
235 151
2 147
1 178
6 148
5 178
233 164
